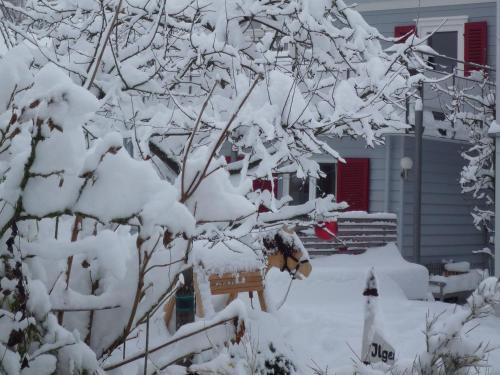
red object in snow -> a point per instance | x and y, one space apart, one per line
325 230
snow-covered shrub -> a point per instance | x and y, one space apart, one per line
448 347
35 114
66 222
181 83
278 363
31 339
249 357
449 351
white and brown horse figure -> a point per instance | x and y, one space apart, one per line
283 250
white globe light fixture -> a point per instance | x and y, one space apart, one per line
406 165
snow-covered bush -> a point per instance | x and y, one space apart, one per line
31 339
65 223
35 116
249 357
181 84
449 350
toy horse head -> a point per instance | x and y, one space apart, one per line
285 251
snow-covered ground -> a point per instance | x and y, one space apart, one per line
322 319
321 323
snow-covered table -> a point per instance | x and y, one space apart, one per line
456 286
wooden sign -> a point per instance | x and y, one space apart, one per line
239 282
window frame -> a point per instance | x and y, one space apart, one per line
311 181
426 26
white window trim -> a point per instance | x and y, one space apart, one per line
286 185
312 188
426 26
378 5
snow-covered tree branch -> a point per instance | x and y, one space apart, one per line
106 232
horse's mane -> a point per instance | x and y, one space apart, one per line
280 241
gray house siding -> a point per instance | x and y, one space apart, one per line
385 20
447 228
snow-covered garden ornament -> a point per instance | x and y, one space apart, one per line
375 347
285 251
245 272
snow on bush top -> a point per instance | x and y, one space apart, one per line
228 256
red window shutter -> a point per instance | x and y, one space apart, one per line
475 45
353 179
229 159
401 31
261 184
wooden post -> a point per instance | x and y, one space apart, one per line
184 301
417 205
184 306
147 346
496 133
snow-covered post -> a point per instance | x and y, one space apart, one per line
184 298
495 131
417 207
375 347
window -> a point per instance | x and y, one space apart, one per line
349 182
447 40
299 188
326 185
444 43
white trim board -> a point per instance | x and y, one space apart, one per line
411 4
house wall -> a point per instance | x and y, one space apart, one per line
365 5
447 228
385 19
405 12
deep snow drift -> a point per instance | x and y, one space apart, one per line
322 319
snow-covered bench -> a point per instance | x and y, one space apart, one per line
355 231
454 281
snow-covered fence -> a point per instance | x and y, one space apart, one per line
355 231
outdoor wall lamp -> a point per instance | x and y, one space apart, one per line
406 166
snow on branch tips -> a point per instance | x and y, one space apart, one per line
74 208
117 123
